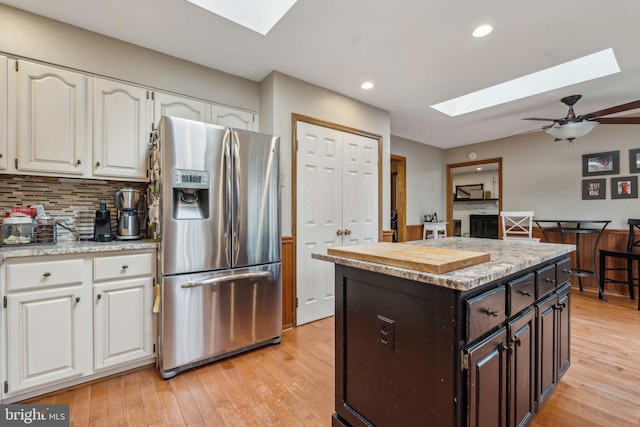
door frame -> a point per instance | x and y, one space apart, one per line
401 200
449 191
295 118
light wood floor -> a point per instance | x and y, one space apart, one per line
291 384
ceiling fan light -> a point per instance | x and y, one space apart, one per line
572 130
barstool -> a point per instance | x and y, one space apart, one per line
438 229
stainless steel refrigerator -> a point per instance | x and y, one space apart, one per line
220 256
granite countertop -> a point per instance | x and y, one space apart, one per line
507 257
74 247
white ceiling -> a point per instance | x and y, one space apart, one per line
417 52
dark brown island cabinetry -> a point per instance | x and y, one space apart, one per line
414 354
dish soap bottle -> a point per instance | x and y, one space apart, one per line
435 217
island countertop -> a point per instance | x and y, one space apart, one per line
507 257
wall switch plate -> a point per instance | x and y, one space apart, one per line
386 332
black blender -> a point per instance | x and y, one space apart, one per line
102 226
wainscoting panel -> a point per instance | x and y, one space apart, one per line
288 292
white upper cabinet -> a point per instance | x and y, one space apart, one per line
122 124
234 118
52 119
4 114
165 104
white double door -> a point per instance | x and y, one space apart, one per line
337 205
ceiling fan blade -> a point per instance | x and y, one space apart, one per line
618 109
538 118
619 120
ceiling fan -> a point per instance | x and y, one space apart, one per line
572 126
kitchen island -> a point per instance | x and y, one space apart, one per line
482 345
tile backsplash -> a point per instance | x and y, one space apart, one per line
63 198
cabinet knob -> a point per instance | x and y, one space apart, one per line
339 232
505 348
77 299
97 164
124 267
99 296
492 312
347 232
79 162
526 293
47 274
0 155
516 341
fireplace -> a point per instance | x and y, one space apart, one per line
484 226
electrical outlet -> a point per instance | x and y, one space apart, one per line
386 332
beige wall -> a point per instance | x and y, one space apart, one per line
545 176
282 95
31 36
425 178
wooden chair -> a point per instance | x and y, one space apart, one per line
630 255
517 225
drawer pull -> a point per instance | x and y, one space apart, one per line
526 293
560 306
506 348
124 267
566 271
550 280
47 274
516 341
492 312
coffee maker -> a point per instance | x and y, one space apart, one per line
126 201
102 224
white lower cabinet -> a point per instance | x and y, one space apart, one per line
123 329
74 318
45 337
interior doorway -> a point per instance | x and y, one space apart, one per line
459 207
398 197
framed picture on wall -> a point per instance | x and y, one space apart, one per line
625 187
594 189
607 163
634 161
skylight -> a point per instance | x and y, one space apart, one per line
257 15
589 67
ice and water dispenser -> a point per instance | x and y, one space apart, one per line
190 194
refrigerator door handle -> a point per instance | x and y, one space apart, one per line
229 278
236 196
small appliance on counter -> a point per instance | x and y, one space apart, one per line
126 201
102 225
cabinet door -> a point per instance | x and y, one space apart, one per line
563 341
4 113
165 104
123 322
45 337
546 332
231 117
52 119
522 368
487 381
122 123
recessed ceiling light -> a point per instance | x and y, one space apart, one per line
482 30
366 85
257 15
588 67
